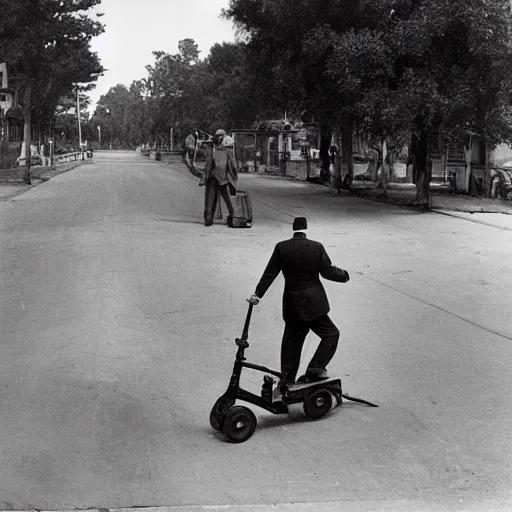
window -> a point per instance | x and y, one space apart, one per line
435 146
295 141
456 151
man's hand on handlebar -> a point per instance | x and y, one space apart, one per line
253 299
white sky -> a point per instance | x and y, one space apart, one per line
135 28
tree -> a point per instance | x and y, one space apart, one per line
112 116
185 93
289 45
188 50
165 85
429 68
46 44
228 97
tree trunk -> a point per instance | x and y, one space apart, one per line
384 162
375 161
412 158
4 143
347 170
325 145
423 169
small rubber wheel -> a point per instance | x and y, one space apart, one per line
218 411
317 404
239 424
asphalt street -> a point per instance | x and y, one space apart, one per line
118 315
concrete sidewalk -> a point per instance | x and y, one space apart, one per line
442 198
10 189
482 210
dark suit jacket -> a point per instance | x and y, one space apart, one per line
302 262
231 169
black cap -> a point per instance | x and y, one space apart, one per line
300 223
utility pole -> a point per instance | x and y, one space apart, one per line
78 116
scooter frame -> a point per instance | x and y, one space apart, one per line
289 394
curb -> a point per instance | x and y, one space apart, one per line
350 505
24 188
55 171
435 209
457 215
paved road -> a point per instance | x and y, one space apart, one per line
117 319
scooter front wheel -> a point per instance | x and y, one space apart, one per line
221 406
239 424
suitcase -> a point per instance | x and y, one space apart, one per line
243 211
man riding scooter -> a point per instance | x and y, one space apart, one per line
305 303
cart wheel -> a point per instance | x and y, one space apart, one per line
219 410
317 404
239 424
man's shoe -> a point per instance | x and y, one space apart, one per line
229 221
312 377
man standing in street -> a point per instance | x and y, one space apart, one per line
220 176
305 304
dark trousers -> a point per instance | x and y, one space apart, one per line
293 340
211 196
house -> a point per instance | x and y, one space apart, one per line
11 129
466 164
12 124
275 147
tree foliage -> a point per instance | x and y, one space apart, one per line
288 46
392 68
47 44
182 93
430 68
288 53
120 117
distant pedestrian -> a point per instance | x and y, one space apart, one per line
220 177
190 146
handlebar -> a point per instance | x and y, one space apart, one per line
242 342
245 332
